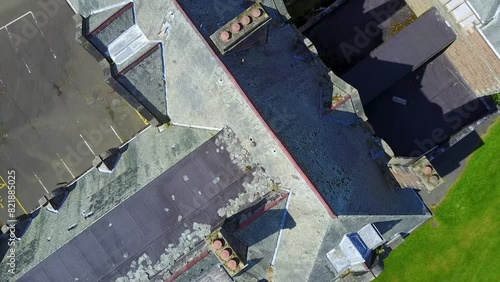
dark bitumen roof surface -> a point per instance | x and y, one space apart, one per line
439 104
409 49
187 196
55 103
142 73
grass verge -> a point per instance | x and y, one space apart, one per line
496 98
462 241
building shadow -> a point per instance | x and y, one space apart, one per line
424 109
385 226
450 160
266 225
8 241
407 103
141 77
348 34
250 264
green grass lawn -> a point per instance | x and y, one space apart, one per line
462 241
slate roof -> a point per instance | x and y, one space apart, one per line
428 35
439 103
355 248
486 9
187 196
331 155
488 12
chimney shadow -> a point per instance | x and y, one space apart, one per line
286 91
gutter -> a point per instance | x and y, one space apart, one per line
257 114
